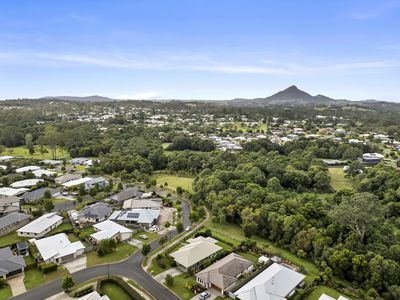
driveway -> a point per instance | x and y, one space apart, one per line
214 294
76 265
17 284
136 243
173 272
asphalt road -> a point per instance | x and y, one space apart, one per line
130 268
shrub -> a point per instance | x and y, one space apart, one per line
47 267
106 246
83 291
169 280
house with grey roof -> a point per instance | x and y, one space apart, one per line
128 193
142 217
10 264
137 203
94 213
12 222
66 178
223 274
39 194
8 205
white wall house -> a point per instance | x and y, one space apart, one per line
40 226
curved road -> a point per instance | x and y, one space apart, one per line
130 268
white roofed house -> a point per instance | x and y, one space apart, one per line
25 183
58 248
27 169
152 203
66 178
326 297
277 282
110 230
40 173
76 182
98 181
40 226
9 192
190 257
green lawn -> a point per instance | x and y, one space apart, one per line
151 236
155 269
5 293
59 200
34 277
324 290
63 227
22 151
175 181
114 291
179 286
338 181
29 260
9 239
123 251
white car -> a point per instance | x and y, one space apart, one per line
143 237
188 228
154 228
204 295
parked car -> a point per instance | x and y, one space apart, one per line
188 228
154 228
204 295
143 237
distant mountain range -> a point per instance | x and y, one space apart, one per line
290 96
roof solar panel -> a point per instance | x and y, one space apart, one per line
133 215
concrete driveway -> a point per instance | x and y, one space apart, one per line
136 243
214 294
17 284
76 265
173 272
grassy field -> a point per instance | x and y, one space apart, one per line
22 151
34 277
338 181
175 181
179 286
123 251
323 290
114 291
9 239
151 236
5 293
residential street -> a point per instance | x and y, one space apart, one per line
130 268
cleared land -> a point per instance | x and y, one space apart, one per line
123 251
175 181
22 151
338 179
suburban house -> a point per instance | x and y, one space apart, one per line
93 296
9 192
25 183
142 217
94 213
126 194
78 161
276 281
326 297
51 162
153 203
58 248
27 169
97 181
10 264
190 257
224 273
76 182
110 230
66 178
39 194
8 205
372 158
39 173
12 222
41 226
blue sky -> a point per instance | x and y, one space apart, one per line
199 49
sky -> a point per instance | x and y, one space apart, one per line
199 49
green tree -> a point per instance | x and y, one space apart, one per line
179 227
48 205
29 143
67 283
169 280
146 248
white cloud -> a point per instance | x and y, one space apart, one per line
151 95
